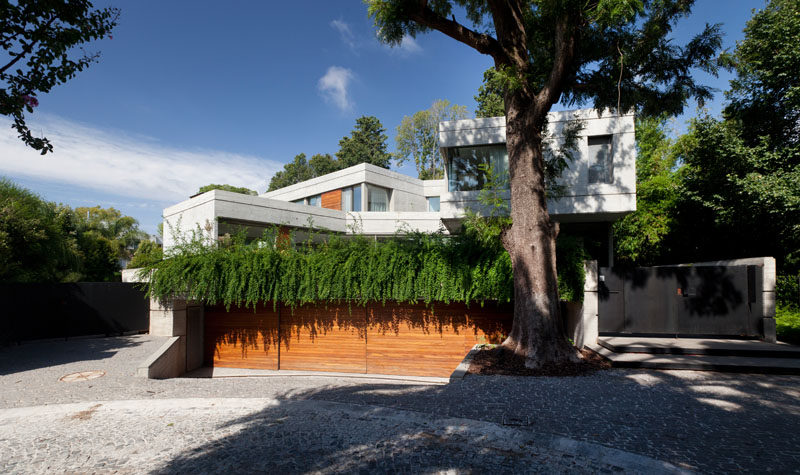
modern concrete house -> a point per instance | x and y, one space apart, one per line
600 187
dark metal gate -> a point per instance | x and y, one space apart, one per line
681 300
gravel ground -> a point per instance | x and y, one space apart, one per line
709 422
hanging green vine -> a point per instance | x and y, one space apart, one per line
406 268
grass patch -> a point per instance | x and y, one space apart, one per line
787 323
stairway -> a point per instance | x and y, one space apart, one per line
703 354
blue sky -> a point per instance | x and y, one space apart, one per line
190 93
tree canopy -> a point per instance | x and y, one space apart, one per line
367 143
417 138
737 176
39 38
42 241
764 97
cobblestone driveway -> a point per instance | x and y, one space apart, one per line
696 420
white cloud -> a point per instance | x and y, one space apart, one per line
409 46
333 86
118 163
345 33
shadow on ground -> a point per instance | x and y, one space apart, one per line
700 421
26 357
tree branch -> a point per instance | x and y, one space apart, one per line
483 43
27 49
564 53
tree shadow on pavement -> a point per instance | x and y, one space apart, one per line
699 421
30 356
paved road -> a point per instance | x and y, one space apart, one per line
700 421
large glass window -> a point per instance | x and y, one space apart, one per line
433 203
301 201
377 198
464 166
601 160
351 198
315 200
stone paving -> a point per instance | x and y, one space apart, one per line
701 421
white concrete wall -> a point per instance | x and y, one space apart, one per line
389 223
604 201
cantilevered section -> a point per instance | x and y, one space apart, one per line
599 187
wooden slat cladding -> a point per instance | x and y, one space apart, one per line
421 341
323 338
332 199
242 338
394 338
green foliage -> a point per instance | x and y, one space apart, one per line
490 97
731 189
293 172
37 241
787 323
45 242
417 138
570 256
623 59
406 268
639 237
765 95
234 189
38 37
366 144
148 253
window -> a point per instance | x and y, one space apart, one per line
464 166
377 198
601 160
301 201
433 203
351 198
315 200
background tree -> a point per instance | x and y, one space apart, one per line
765 95
612 53
234 189
38 37
37 242
366 144
417 138
490 96
293 172
639 237
122 232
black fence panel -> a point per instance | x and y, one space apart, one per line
36 311
681 300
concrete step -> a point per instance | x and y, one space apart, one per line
699 346
729 364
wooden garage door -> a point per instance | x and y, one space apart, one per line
323 338
380 339
242 338
421 341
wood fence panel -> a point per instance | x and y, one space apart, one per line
242 338
323 338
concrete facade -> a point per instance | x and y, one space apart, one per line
215 213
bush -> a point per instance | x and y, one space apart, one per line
148 253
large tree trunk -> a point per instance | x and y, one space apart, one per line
538 332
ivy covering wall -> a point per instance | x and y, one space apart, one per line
405 268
